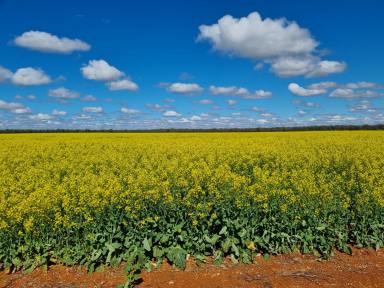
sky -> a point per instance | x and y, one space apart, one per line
190 64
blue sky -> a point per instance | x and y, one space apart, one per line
193 64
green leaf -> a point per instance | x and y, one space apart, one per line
157 252
321 227
266 256
235 249
177 256
223 230
147 245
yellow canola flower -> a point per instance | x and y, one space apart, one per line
65 180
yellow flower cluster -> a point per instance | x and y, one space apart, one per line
52 178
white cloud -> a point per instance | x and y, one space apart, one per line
287 47
325 67
232 102
309 66
228 91
259 94
130 111
93 109
89 98
322 85
25 110
302 113
100 70
29 76
124 84
363 107
171 113
157 107
82 117
290 66
351 93
255 38
205 102
239 91
16 108
29 97
196 118
350 90
306 104
5 74
63 93
46 42
262 121
257 109
301 91
41 117
56 112
362 84
184 88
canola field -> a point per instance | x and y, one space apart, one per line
104 198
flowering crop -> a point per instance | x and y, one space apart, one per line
99 199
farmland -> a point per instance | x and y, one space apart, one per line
105 198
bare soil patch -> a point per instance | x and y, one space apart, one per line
364 269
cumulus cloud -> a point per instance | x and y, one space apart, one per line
30 77
349 93
157 107
100 70
363 84
322 85
41 117
326 67
16 108
56 112
205 102
306 104
301 91
308 65
124 84
129 111
93 109
196 118
231 102
63 93
46 42
266 115
287 47
363 107
349 90
5 74
239 91
89 98
171 113
29 97
257 109
253 37
302 113
183 88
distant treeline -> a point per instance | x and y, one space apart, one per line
259 129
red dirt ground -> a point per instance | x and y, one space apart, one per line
364 269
